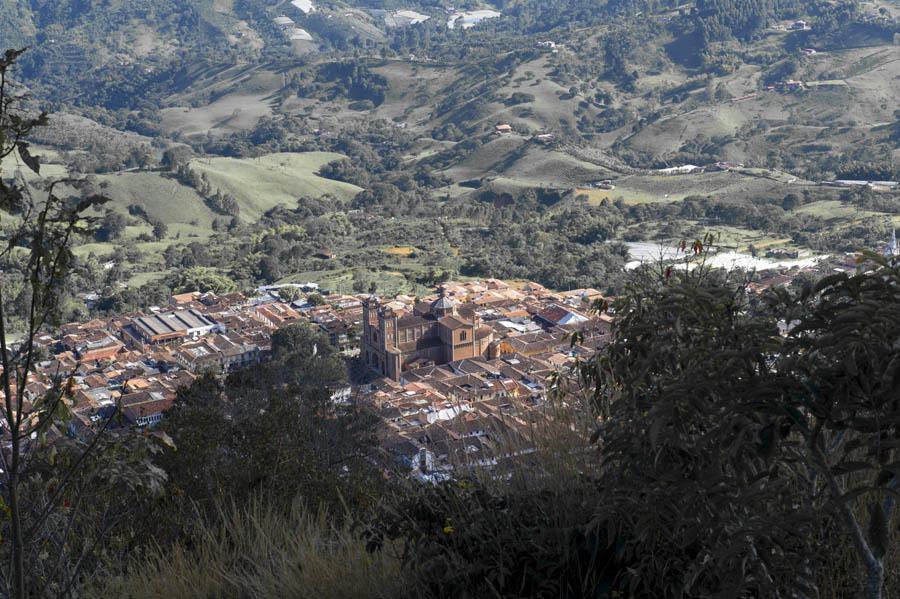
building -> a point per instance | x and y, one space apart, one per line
340 333
783 254
181 299
284 22
218 353
396 340
556 315
277 315
145 408
99 349
166 327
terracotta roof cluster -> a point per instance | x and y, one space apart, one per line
479 411
472 411
139 361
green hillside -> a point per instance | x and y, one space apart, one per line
260 184
583 92
162 197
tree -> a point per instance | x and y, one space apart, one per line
112 226
273 429
177 157
791 202
289 294
680 445
42 518
202 279
315 299
845 406
160 230
729 450
304 358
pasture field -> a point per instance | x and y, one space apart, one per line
341 281
854 87
643 189
730 238
239 97
551 105
260 184
411 86
161 197
51 166
142 278
237 112
835 210
740 239
515 159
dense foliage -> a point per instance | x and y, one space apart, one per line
745 446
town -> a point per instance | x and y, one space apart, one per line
449 373
457 377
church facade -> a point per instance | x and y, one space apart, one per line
397 340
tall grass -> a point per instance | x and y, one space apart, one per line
259 551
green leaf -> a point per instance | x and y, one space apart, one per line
850 466
32 162
878 530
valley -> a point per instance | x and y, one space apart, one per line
389 134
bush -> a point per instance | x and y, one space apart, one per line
259 551
467 539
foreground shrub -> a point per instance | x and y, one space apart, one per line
470 538
258 551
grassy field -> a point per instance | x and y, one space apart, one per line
835 210
240 95
341 281
852 86
643 189
667 135
517 161
728 237
162 197
409 86
740 239
629 196
50 166
145 277
236 112
551 105
260 184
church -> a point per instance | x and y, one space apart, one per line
397 340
